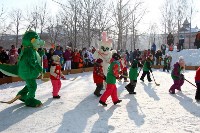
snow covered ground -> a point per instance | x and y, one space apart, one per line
151 110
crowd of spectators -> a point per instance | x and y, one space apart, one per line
77 58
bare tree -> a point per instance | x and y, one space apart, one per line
173 13
43 15
16 20
122 14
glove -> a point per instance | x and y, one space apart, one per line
63 78
150 70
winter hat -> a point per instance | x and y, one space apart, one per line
44 57
181 61
56 58
99 60
116 56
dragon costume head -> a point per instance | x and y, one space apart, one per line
32 39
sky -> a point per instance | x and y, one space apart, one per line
151 110
153 7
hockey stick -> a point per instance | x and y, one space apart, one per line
155 80
190 82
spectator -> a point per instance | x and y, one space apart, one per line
90 58
76 58
163 48
13 55
19 49
197 40
45 63
58 51
153 49
170 39
49 57
158 57
3 59
181 41
68 59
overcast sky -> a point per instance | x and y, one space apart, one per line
153 7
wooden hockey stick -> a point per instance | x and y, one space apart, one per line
190 82
155 80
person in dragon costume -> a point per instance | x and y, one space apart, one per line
28 68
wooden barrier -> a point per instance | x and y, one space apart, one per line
74 71
88 69
190 67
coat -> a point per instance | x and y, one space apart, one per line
98 75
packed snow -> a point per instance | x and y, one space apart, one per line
191 56
151 110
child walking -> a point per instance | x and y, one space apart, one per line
177 75
133 74
147 68
112 75
197 81
98 76
56 75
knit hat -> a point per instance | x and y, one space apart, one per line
116 56
56 58
99 60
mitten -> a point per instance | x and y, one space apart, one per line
63 77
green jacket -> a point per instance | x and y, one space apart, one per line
147 65
133 72
166 61
111 78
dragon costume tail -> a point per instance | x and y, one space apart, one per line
9 70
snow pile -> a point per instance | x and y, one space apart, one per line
191 56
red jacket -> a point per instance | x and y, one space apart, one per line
45 63
76 57
55 72
197 77
98 75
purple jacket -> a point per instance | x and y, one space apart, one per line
67 55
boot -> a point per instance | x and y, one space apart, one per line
98 95
132 93
102 103
56 97
119 101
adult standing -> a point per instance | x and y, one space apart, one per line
3 59
153 49
170 39
163 48
68 58
197 40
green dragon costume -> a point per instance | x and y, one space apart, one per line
28 68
